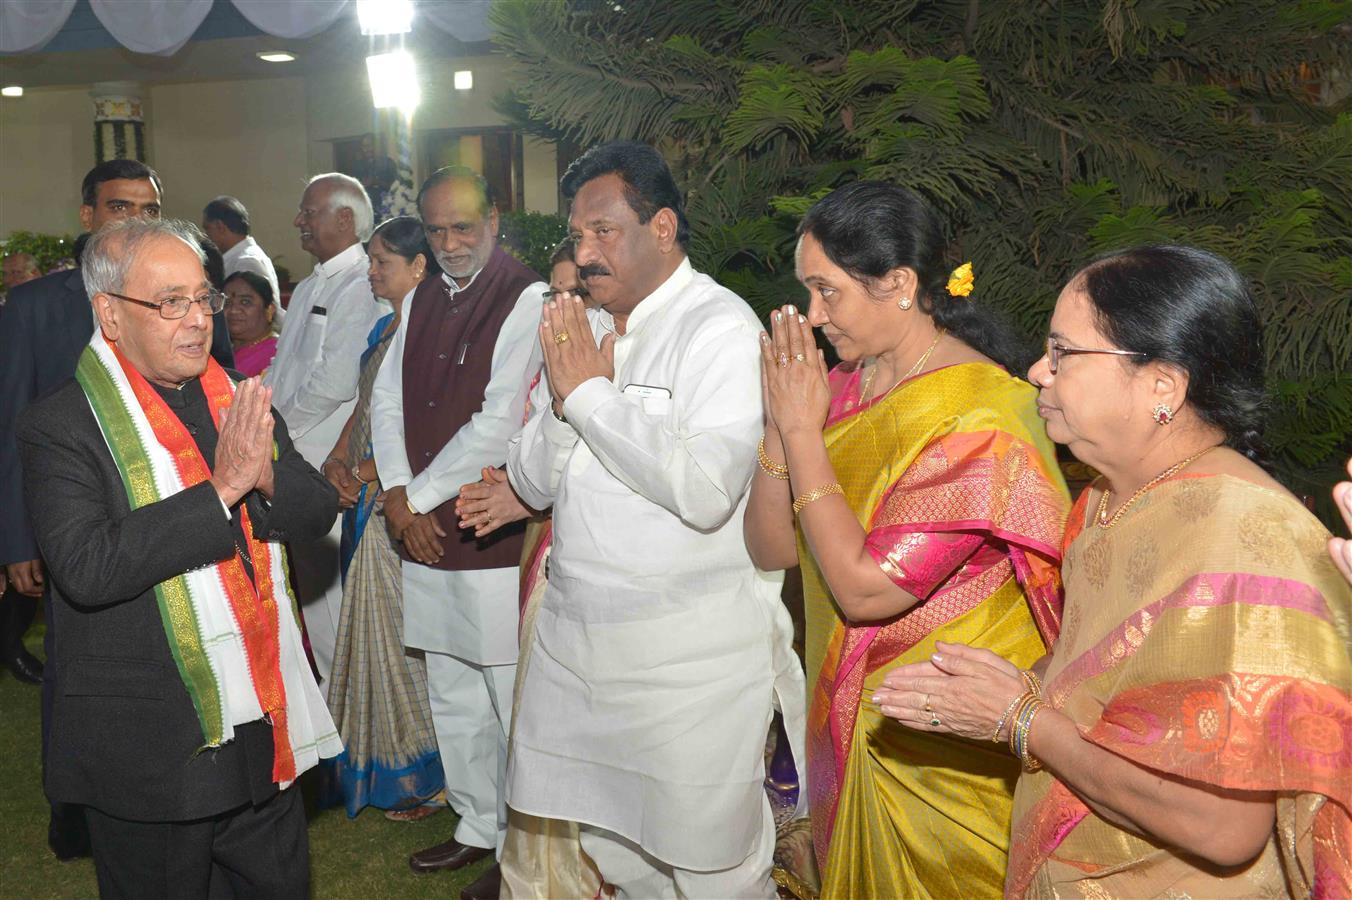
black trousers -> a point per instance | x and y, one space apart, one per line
255 852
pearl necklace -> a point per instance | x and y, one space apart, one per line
1102 515
868 381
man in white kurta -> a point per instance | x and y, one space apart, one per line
226 222
649 689
470 339
314 376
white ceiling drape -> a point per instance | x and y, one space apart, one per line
161 27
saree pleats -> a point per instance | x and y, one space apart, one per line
954 453
1206 636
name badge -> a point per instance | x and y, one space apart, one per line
647 391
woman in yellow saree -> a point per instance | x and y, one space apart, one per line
1194 735
930 508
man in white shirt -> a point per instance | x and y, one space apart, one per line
314 377
226 222
449 395
649 689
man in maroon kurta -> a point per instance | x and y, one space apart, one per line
450 394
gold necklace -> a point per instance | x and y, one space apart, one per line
868 381
1102 515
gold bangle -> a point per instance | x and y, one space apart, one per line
1000 725
768 465
816 494
1030 678
356 473
410 506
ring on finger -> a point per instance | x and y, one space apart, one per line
800 357
934 720
927 706
783 360
561 337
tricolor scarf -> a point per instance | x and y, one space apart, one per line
238 653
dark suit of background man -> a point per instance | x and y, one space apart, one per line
126 742
44 326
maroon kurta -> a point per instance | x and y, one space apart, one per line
448 357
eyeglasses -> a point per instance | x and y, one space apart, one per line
177 307
1055 351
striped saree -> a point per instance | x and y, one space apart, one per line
1206 636
953 477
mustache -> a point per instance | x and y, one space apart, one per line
591 270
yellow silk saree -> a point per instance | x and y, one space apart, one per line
954 480
1206 636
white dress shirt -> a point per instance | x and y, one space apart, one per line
648 691
314 376
467 614
247 256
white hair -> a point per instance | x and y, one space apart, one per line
348 193
111 250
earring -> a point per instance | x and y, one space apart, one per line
1163 414
904 303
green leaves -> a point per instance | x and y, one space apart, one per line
774 100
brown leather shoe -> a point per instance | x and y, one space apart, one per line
447 857
486 887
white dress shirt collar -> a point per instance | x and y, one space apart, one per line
339 263
651 304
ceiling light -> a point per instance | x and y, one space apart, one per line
385 16
275 56
394 81
464 80
11 90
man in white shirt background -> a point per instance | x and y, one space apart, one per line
314 376
659 649
450 394
226 222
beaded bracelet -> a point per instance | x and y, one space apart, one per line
1025 699
768 465
1022 726
1000 725
816 494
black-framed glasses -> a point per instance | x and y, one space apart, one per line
213 301
1055 351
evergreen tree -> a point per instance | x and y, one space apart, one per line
1046 131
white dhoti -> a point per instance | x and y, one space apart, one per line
318 571
465 624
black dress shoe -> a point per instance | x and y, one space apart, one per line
486 887
67 832
447 857
25 667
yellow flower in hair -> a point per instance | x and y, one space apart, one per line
961 281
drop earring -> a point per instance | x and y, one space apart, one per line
1163 414
904 303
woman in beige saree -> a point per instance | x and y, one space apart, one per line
1194 735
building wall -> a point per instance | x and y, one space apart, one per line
255 139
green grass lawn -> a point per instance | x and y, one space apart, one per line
365 858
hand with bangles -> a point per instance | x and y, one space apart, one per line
489 504
960 690
794 373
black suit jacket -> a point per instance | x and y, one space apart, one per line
44 326
124 734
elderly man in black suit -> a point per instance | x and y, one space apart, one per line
159 492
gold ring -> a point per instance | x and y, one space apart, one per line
934 721
800 357
561 337
783 360
927 706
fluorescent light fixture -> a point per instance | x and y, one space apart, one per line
11 90
464 80
394 81
276 56
385 16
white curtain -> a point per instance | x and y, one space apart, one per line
294 19
28 25
158 27
161 27
466 20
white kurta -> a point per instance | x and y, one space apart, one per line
314 377
650 684
472 614
247 256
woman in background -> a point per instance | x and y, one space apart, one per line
377 693
249 311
